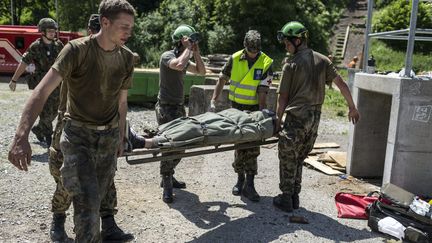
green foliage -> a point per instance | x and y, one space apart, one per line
396 16
388 59
382 3
335 103
222 23
220 39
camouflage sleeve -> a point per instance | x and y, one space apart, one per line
30 53
66 61
226 70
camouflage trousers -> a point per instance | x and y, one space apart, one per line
296 140
245 160
48 114
165 114
89 167
61 200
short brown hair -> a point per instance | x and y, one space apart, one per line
111 8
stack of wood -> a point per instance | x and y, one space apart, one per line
215 62
328 162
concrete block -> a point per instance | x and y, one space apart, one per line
395 126
200 96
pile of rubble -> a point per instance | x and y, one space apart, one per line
215 62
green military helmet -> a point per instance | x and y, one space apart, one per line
292 29
252 41
185 30
47 23
94 23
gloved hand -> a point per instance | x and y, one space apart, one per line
212 107
12 85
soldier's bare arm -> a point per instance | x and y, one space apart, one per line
353 114
20 150
182 61
122 121
281 105
197 67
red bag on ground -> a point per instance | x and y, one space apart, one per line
353 206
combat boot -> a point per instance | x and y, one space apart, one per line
249 189
38 133
283 202
237 188
167 183
295 201
176 184
112 233
57 230
136 140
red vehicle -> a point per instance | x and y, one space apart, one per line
15 39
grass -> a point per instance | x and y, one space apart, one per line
334 103
388 59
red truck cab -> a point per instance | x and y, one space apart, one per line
14 41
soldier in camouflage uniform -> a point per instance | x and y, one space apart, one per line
42 53
250 74
61 200
301 94
173 66
90 140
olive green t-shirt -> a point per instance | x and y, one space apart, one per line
304 78
94 79
171 81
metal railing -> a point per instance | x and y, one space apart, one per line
397 35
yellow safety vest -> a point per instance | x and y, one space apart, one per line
245 81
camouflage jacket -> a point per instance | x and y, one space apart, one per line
43 57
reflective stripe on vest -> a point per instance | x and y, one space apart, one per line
245 81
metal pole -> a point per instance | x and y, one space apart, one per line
368 30
411 38
12 13
56 7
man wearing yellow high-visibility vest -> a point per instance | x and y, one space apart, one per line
250 74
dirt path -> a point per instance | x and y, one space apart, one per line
204 212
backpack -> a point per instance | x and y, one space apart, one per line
395 202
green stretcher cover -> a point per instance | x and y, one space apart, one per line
227 126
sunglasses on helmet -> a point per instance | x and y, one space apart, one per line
280 36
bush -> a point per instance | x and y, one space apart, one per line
222 24
388 59
397 16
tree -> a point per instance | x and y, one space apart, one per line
397 16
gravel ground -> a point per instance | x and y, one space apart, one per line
204 212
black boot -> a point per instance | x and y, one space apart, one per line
167 183
249 189
295 201
136 140
112 233
237 188
176 184
57 231
283 202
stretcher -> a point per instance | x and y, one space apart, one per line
207 133
141 156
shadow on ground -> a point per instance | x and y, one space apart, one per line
264 224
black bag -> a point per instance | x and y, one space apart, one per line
394 202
